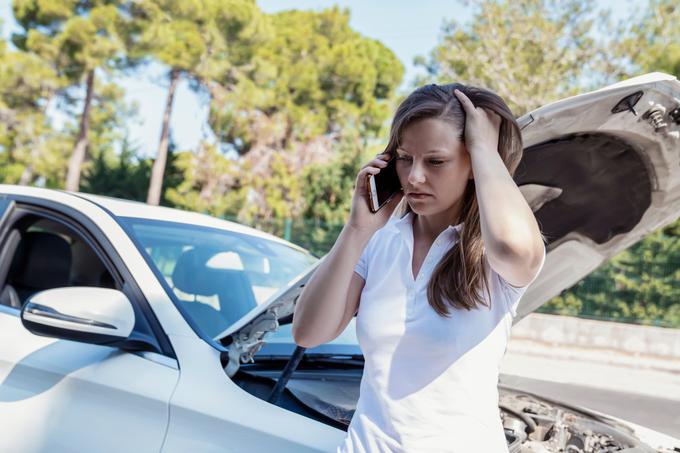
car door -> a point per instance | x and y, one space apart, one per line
61 395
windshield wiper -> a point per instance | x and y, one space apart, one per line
298 356
312 357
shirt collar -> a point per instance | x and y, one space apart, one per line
404 225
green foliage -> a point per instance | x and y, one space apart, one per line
202 38
530 52
201 175
121 176
124 175
108 113
313 76
73 36
638 285
311 95
26 81
31 151
649 41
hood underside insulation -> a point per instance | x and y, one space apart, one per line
605 186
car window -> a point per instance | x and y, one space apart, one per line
46 254
217 276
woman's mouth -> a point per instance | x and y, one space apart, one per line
418 196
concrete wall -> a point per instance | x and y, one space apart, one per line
553 330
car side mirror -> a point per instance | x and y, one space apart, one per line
80 313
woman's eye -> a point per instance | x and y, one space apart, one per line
436 162
403 158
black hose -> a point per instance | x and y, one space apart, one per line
287 372
531 424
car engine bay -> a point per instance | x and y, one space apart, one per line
326 389
533 424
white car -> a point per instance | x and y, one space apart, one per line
126 327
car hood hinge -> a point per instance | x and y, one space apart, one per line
247 341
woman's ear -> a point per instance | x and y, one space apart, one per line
472 176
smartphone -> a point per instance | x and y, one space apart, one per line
383 186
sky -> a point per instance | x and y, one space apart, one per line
409 28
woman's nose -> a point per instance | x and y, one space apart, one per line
416 175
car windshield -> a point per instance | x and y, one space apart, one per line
216 276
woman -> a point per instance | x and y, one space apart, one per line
435 287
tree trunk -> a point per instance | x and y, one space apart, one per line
26 175
158 169
78 156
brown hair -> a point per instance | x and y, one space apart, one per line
459 275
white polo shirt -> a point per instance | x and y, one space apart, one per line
429 383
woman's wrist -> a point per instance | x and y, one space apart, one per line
356 234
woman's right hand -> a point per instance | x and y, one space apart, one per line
361 217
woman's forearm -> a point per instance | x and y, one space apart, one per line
322 304
509 228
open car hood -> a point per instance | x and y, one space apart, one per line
600 170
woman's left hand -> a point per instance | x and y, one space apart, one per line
482 126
